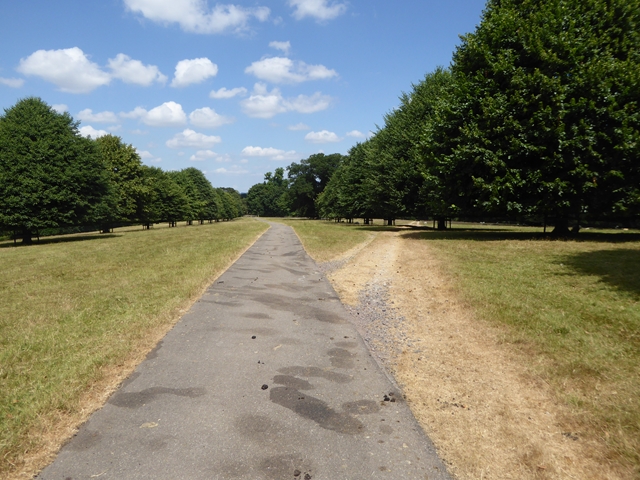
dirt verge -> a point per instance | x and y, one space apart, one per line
475 395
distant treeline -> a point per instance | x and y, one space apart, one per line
52 180
537 119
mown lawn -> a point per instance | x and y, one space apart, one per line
73 307
573 305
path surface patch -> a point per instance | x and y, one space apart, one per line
264 378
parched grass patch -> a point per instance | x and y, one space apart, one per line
573 306
72 307
327 240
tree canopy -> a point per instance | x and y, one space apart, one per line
50 175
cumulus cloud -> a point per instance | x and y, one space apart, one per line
298 127
283 46
265 104
87 115
193 71
318 9
233 170
134 71
356 134
223 93
69 69
89 131
285 70
270 152
60 107
148 156
202 155
324 136
169 114
190 138
208 118
195 15
12 82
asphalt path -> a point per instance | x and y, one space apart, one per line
263 378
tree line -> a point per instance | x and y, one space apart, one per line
53 179
536 119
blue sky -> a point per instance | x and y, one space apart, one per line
234 89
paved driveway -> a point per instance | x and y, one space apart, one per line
264 378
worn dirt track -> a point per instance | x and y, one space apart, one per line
473 393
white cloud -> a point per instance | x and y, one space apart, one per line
195 16
285 47
309 104
270 152
208 118
60 107
285 70
193 71
137 131
134 71
324 136
169 114
356 134
89 131
318 9
87 115
12 82
223 93
150 157
70 69
298 127
202 155
265 104
233 170
190 138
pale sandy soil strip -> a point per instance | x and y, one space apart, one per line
475 396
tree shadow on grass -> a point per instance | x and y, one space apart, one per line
492 235
61 239
619 268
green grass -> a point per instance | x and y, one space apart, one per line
72 306
572 305
326 240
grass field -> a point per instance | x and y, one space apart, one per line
75 307
570 305
328 240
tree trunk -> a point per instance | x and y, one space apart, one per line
27 237
561 227
442 223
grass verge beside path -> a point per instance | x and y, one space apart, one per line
573 306
570 305
75 309
325 240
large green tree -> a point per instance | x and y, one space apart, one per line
269 198
131 190
544 115
307 180
50 175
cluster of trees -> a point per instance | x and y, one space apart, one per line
538 118
295 195
51 177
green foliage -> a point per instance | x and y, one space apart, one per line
544 114
132 193
269 199
50 176
307 180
